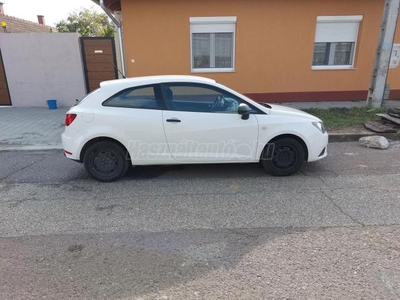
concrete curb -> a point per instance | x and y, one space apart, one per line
29 147
354 137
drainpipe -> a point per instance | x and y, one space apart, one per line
119 30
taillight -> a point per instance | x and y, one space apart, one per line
69 118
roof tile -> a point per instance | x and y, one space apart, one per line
16 25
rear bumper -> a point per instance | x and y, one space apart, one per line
71 141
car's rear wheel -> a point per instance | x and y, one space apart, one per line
106 161
283 157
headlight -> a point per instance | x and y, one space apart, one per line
320 126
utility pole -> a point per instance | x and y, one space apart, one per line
383 53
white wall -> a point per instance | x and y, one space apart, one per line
42 66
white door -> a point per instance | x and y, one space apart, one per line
203 125
136 116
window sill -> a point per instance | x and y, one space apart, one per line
213 70
316 68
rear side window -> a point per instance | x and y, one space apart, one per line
137 97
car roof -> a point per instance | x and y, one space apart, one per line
136 81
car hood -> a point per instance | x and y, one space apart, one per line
286 111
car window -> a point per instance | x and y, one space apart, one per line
137 97
199 98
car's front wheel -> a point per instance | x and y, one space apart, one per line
283 157
106 161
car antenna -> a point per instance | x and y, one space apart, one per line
117 68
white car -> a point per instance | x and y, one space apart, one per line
162 120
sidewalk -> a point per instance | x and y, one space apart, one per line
31 128
41 128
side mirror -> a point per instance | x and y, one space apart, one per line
244 111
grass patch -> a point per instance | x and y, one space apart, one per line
337 118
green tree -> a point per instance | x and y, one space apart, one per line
88 23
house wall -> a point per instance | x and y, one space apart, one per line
274 45
41 66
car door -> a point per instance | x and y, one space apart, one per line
202 124
136 117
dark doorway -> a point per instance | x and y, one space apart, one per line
99 61
5 98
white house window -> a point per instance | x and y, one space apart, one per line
212 43
335 42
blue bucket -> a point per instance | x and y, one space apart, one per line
52 104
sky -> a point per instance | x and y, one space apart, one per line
53 10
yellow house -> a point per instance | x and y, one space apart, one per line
270 50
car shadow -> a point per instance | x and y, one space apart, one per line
196 171
245 170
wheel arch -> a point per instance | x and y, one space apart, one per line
293 136
98 139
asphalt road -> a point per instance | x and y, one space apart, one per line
202 232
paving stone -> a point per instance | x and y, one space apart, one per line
22 128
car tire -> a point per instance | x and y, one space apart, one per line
106 161
283 157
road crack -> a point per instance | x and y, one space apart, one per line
23 168
342 210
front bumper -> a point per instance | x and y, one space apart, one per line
319 147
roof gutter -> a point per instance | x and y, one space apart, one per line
118 24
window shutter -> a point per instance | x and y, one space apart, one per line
337 29
212 24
